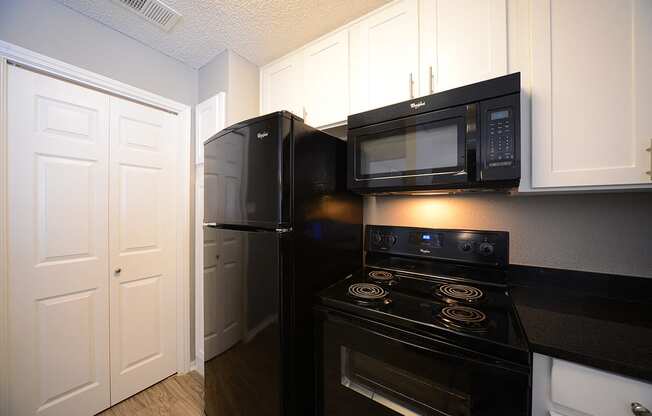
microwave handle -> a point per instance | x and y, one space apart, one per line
649 149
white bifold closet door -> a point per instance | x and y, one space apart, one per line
91 190
142 229
58 246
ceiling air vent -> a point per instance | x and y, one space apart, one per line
153 11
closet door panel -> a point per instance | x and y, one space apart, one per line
58 237
142 239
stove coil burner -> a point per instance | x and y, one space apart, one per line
381 276
459 293
368 293
464 317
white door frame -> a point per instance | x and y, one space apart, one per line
218 101
4 240
10 53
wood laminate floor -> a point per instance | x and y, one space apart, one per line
178 395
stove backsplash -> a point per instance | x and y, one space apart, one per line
604 233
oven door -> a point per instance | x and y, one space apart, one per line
372 369
417 152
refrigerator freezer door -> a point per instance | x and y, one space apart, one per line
244 175
242 324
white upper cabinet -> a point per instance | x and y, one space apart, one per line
385 56
462 42
587 93
282 84
591 92
326 80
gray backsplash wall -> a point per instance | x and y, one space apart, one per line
607 233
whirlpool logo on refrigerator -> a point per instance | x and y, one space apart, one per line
261 135
417 105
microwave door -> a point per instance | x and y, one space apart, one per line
415 151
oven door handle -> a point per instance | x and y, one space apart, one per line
341 318
429 345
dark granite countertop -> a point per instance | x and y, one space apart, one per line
598 320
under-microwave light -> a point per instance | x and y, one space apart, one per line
450 192
433 193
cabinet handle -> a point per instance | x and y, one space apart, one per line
649 150
640 410
431 77
411 85
118 270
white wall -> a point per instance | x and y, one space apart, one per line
243 92
54 30
230 73
214 77
606 233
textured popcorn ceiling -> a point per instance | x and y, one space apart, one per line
259 30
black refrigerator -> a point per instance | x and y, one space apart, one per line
279 225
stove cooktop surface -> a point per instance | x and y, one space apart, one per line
452 307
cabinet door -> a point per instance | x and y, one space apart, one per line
591 92
58 137
462 42
589 391
326 80
282 84
385 56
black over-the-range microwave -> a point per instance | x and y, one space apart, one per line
467 138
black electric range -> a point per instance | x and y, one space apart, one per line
426 327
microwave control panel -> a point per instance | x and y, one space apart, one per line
500 135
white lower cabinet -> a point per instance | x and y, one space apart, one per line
562 388
591 92
92 277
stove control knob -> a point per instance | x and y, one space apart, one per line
390 240
486 249
376 239
466 246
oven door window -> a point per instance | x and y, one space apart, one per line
398 389
435 147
